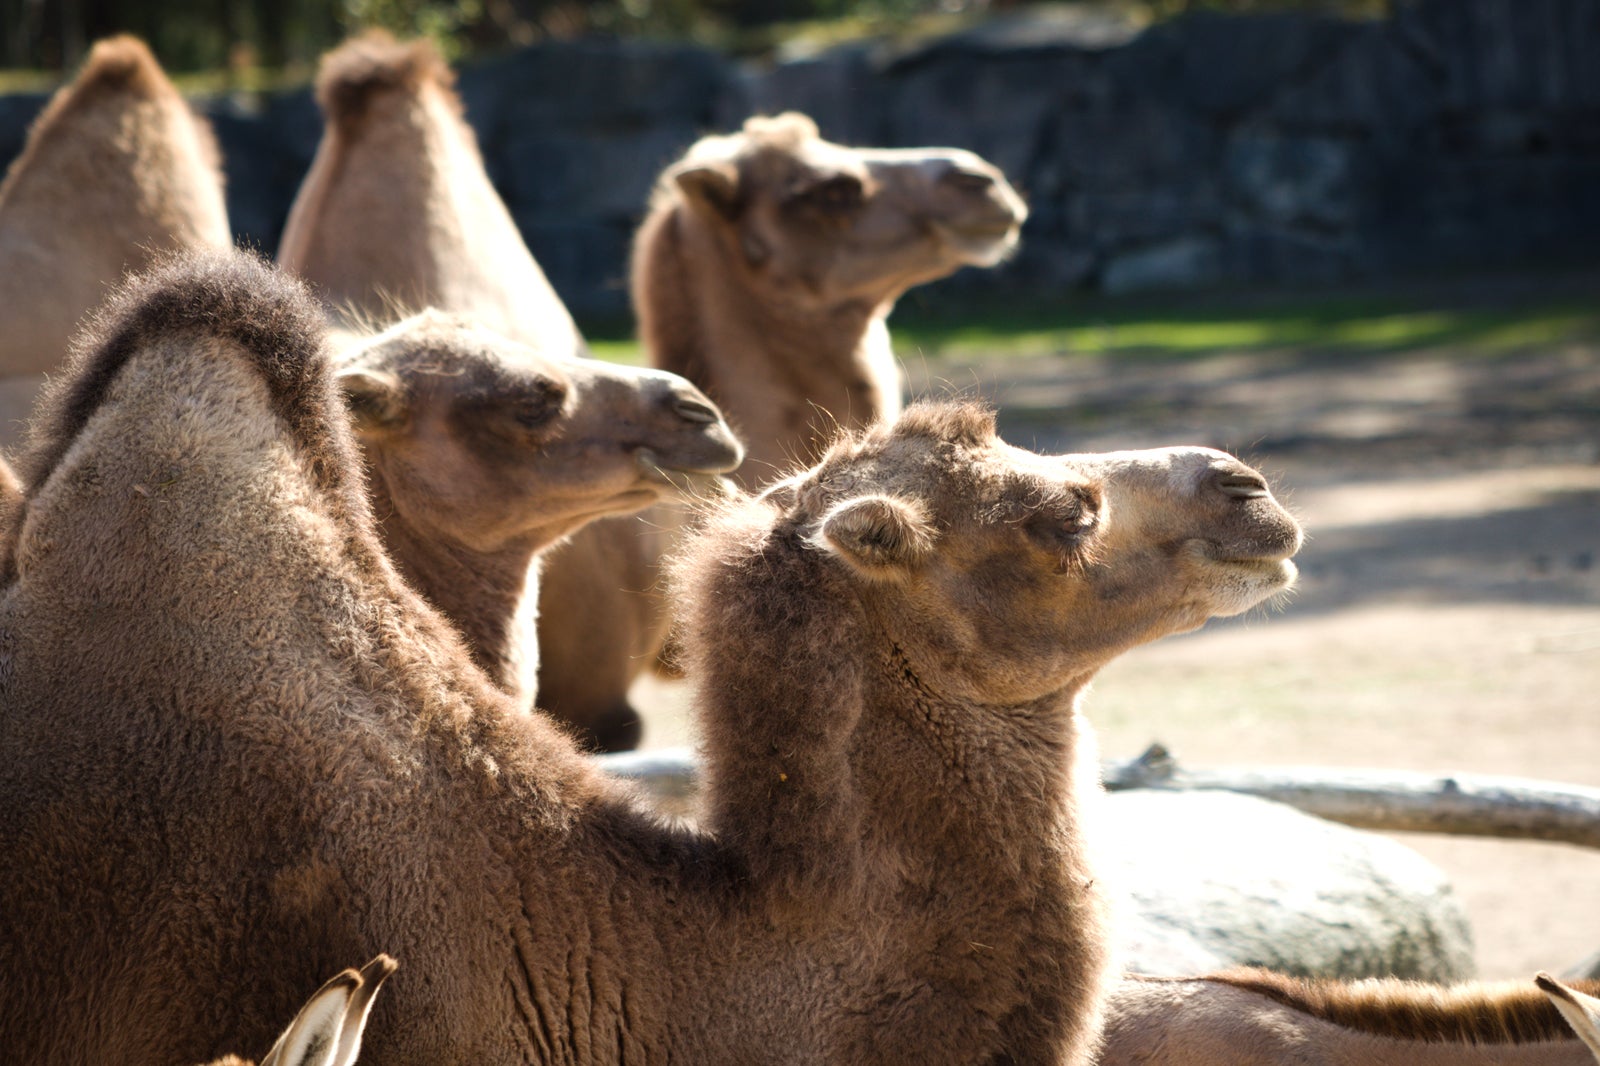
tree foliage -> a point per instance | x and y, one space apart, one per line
209 34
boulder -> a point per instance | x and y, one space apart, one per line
1212 879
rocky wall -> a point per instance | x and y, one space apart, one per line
1208 150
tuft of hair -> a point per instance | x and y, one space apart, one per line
125 64
232 296
365 67
969 423
787 130
1476 1014
120 66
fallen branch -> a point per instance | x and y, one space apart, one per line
1512 808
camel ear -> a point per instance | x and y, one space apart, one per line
1581 1011
711 185
376 397
881 537
327 1031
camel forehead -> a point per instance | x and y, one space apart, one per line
449 345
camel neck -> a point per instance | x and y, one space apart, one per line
490 597
786 375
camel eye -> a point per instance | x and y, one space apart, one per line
1063 527
840 193
538 407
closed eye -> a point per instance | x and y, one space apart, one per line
843 192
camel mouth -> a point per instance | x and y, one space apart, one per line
981 242
1259 573
684 481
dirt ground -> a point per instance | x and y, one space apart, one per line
1448 614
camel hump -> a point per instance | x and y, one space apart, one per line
123 64
363 68
229 296
1485 1013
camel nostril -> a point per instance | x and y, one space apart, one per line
968 181
1242 486
696 411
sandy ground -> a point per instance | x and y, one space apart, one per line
1448 616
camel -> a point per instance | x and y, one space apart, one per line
397 150
237 747
764 273
1260 1018
770 259
397 207
327 1031
482 452
116 169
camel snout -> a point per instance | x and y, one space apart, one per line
967 181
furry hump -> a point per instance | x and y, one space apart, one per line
229 296
359 70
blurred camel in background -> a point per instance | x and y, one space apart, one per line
117 170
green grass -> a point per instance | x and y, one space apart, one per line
1175 331
1189 327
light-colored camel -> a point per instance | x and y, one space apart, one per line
236 745
771 258
764 273
1260 1018
397 206
327 1031
397 209
116 169
482 452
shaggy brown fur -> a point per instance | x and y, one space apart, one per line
235 746
327 1031
116 170
764 274
482 452
1260 1018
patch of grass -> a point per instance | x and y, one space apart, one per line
1182 327
1353 326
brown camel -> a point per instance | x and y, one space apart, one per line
764 273
396 207
482 452
1260 1018
116 169
237 748
327 1031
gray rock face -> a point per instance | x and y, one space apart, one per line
1213 879
1203 150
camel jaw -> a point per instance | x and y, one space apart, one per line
980 244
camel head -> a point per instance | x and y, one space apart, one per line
485 442
1006 576
327 1031
815 224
